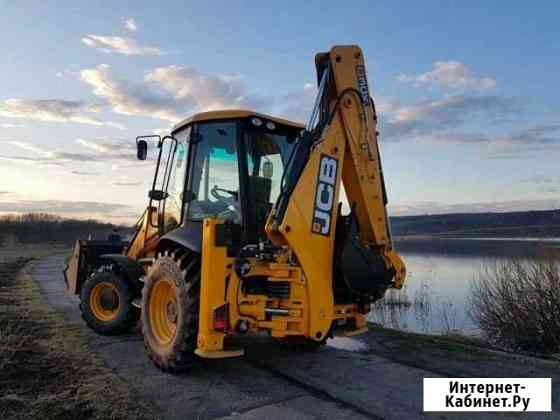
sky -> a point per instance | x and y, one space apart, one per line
466 92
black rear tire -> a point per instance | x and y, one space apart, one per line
106 303
171 330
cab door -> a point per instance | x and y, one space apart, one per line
170 209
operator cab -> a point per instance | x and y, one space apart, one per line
223 164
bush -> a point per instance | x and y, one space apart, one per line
516 303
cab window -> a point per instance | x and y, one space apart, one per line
215 174
267 156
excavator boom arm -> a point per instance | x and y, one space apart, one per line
338 147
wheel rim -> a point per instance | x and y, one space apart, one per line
104 301
163 311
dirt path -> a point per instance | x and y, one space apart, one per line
267 383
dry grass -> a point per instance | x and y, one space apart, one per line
47 369
516 303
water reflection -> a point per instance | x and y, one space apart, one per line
440 272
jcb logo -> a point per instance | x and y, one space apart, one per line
324 195
362 84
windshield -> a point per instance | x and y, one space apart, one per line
215 176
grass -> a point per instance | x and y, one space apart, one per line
47 368
417 342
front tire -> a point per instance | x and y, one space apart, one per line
106 304
170 305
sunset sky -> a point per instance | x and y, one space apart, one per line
467 93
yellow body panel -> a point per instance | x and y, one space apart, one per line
212 289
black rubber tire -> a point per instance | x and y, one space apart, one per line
128 315
184 274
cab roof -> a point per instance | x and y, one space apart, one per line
230 114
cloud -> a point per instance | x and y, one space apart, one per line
544 183
454 109
520 144
297 105
105 145
119 45
93 145
173 92
83 173
126 182
45 156
540 134
104 150
30 161
32 148
432 117
62 206
9 125
53 110
116 152
168 93
130 25
435 207
450 75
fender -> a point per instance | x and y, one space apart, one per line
132 268
188 236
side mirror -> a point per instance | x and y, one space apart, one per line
141 149
157 195
268 169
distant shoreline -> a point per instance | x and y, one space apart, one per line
478 247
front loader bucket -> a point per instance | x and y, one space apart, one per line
85 258
72 269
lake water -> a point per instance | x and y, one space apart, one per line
440 273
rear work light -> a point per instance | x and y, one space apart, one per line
221 321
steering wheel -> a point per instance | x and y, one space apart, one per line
231 206
215 193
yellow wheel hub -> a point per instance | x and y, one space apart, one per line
163 313
104 301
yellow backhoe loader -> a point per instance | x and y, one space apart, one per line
244 233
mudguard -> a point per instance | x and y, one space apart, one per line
188 236
132 268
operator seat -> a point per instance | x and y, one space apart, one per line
260 188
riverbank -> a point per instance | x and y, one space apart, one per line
455 353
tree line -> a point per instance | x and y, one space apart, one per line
44 227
